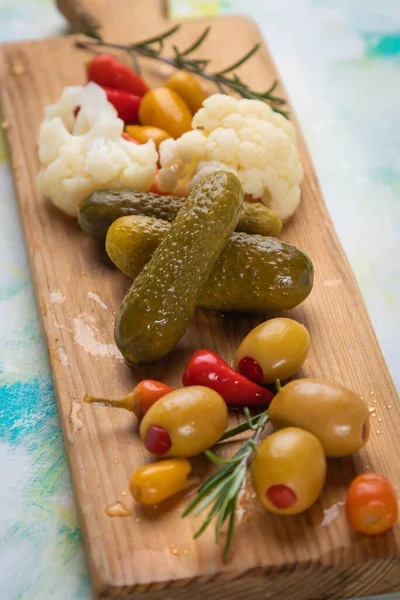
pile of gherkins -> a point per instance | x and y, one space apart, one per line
210 249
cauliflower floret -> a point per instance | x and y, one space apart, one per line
245 137
81 155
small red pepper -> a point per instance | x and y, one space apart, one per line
106 70
125 103
208 369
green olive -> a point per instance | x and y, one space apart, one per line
184 422
288 471
274 350
335 414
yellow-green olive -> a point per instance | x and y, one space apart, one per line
288 471
274 350
185 422
336 415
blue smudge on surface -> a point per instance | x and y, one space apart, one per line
26 407
382 44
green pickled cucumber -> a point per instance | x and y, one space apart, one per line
253 273
100 209
161 301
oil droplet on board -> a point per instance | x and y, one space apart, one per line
97 299
118 509
75 417
56 297
63 356
84 336
17 69
332 282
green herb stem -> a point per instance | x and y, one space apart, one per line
222 489
152 47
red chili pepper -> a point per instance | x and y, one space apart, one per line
125 103
208 369
106 70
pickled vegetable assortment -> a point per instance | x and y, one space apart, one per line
161 178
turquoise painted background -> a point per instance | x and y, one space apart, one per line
340 61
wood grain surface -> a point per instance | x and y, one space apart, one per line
151 554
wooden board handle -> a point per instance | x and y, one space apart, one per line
78 16
86 15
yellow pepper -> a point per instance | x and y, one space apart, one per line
156 482
144 133
188 88
164 108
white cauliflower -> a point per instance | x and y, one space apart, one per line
243 136
82 154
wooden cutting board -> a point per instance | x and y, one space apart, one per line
151 554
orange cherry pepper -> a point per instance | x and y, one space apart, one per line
187 86
160 480
164 108
145 394
143 133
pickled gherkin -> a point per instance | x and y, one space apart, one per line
100 209
157 308
253 273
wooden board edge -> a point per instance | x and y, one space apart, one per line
253 573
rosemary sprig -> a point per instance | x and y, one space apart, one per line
222 489
152 48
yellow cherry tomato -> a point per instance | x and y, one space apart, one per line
185 422
188 88
144 133
164 108
156 482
